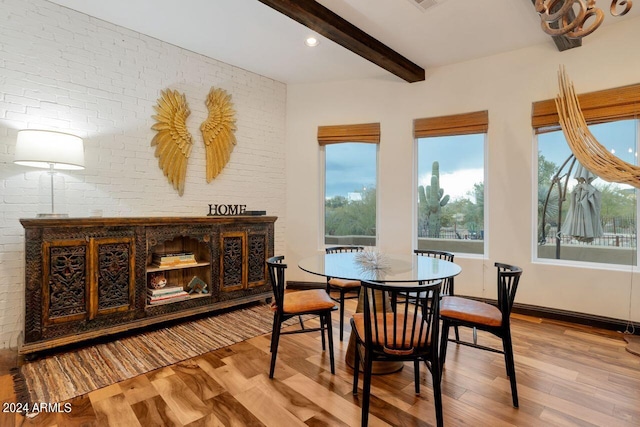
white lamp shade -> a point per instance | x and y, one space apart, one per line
42 148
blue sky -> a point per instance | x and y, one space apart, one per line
617 136
460 160
351 167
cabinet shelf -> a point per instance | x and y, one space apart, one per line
154 269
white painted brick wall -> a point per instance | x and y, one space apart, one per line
62 70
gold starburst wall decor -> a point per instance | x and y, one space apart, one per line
218 131
173 141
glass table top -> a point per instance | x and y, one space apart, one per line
381 268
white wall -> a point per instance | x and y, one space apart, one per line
63 70
505 85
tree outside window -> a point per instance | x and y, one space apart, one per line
350 194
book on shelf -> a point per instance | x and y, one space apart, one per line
164 291
168 300
178 296
197 285
173 259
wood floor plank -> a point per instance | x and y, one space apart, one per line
197 380
212 359
81 414
583 395
325 419
556 371
630 414
393 415
346 411
266 407
10 419
137 389
48 419
209 421
557 418
105 393
296 403
160 373
230 378
574 410
114 411
400 397
155 412
250 363
456 413
180 399
231 412
289 365
528 415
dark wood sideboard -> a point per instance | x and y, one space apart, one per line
89 277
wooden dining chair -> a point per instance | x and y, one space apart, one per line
404 331
447 284
495 319
348 289
297 303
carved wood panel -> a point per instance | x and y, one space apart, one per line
233 261
65 281
256 259
113 287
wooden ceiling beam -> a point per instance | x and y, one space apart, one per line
318 18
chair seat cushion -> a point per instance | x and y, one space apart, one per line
307 301
468 310
398 341
340 283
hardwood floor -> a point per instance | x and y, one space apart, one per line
568 375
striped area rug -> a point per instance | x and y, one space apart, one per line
63 376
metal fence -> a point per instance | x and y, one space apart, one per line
461 234
614 240
618 232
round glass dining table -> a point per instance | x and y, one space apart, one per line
387 268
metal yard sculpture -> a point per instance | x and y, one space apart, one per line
590 153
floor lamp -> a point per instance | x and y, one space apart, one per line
51 150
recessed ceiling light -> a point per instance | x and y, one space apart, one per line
311 41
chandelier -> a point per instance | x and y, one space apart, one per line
575 18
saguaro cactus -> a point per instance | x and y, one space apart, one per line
432 199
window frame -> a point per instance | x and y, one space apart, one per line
604 106
473 123
345 134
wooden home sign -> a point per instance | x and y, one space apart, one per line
230 210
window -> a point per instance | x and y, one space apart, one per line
606 233
450 176
350 155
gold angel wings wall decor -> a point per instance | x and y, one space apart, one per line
173 141
218 131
